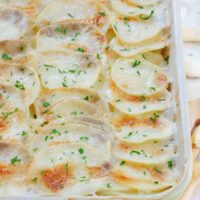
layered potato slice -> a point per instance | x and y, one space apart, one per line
137 77
14 163
128 179
150 153
19 85
144 2
15 51
69 168
71 35
13 123
91 11
15 21
49 98
76 131
138 87
136 30
130 50
138 106
142 132
128 9
68 69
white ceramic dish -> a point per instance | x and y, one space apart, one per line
184 141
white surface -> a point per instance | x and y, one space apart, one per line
191 33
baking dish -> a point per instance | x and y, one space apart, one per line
184 149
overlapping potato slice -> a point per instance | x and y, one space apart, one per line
73 108
150 153
14 51
48 98
19 85
144 2
69 168
135 106
90 11
131 31
14 163
138 77
60 69
81 132
13 24
123 182
75 35
13 123
128 9
129 50
128 179
143 132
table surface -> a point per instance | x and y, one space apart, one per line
190 11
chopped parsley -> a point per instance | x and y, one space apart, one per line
135 63
80 49
152 88
81 150
118 100
46 104
70 15
123 162
135 152
98 56
55 132
61 30
154 117
66 167
7 114
19 85
15 160
24 133
84 139
102 13
170 164
34 180
86 98
166 59
6 57
147 17
129 135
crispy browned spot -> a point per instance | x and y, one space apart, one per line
57 177
5 170
3 124
96 172
133 121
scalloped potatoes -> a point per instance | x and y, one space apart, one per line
86 102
